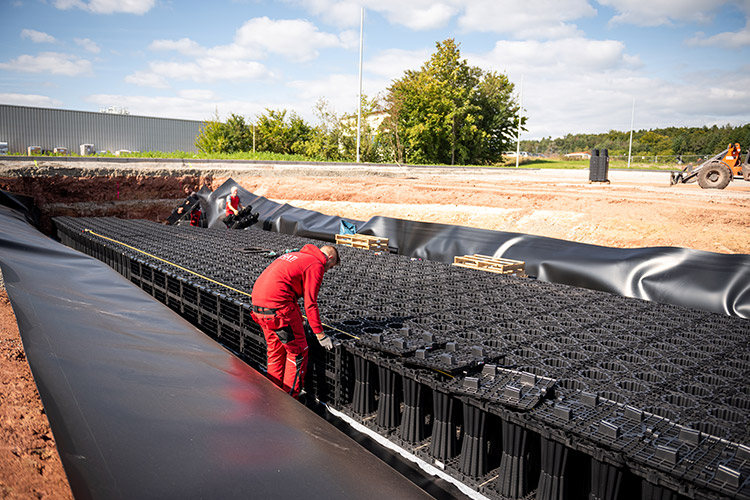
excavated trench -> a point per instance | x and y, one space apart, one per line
513 387
142 189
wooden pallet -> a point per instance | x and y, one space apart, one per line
492 264
363 241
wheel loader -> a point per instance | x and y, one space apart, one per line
716 172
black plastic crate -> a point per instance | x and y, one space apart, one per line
628 372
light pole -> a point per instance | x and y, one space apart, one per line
518 135
359 104
632 117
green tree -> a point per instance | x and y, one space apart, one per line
450 112
278 133
239 134
701 141
326 138
212 137
371 148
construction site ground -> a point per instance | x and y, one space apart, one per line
636 209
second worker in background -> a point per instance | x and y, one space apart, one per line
275 309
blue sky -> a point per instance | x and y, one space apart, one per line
582 62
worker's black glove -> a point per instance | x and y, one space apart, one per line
325 341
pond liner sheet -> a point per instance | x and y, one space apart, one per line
144 405
671 275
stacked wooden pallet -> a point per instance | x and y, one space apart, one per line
364 241
492 264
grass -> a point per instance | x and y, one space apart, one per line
529 163
584 164
261 156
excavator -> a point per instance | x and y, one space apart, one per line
716 172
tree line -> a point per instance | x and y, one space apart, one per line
670 141
447 112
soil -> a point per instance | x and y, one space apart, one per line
636 209
29 464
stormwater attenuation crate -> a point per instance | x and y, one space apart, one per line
515 387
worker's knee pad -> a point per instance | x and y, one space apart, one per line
285 334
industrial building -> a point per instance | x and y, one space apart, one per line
28 130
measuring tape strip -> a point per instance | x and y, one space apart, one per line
195 273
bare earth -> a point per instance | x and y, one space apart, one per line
637 209
29 464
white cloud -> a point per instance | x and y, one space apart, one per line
147 79
338 87
88 45
728 40
107 6
336 12
187 107
584 90
537 19
421 15
295 39
40 101
392 63
184 46
597 101
414 14
341 92
198 94
207 69
663 12
38 36
54 63
571 55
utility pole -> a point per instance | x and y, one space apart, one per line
253 138
632 117
518 135
359 104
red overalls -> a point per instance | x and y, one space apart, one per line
195 217
275 309
234 201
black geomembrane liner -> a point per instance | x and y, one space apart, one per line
143 405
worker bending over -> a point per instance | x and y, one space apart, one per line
275 309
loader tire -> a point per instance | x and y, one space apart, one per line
714 176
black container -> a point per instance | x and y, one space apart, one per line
599 166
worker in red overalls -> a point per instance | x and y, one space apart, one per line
195 217
233 204
275 309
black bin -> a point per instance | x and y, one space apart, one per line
599 166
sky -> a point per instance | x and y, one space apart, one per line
579 66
